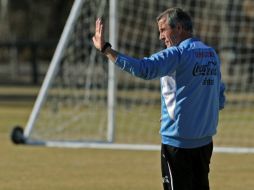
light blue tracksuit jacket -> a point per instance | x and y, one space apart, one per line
191 90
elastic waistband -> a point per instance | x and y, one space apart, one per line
186 143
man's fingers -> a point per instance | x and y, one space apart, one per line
94 40
97 27
98 38
101 29
100 25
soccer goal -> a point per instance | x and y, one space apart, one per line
86 102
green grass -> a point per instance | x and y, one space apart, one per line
40 168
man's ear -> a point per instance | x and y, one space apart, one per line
179 28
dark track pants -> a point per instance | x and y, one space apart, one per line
185 169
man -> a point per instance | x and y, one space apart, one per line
191 96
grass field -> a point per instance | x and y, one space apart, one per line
40 168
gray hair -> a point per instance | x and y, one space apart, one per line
177 15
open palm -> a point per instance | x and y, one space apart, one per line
98 38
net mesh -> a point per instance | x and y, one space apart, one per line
75 108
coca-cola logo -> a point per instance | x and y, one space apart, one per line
206 69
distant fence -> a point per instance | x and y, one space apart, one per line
25 62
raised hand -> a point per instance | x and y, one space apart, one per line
98 38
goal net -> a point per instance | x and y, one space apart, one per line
85 101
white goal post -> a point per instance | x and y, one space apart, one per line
54 65
85 101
